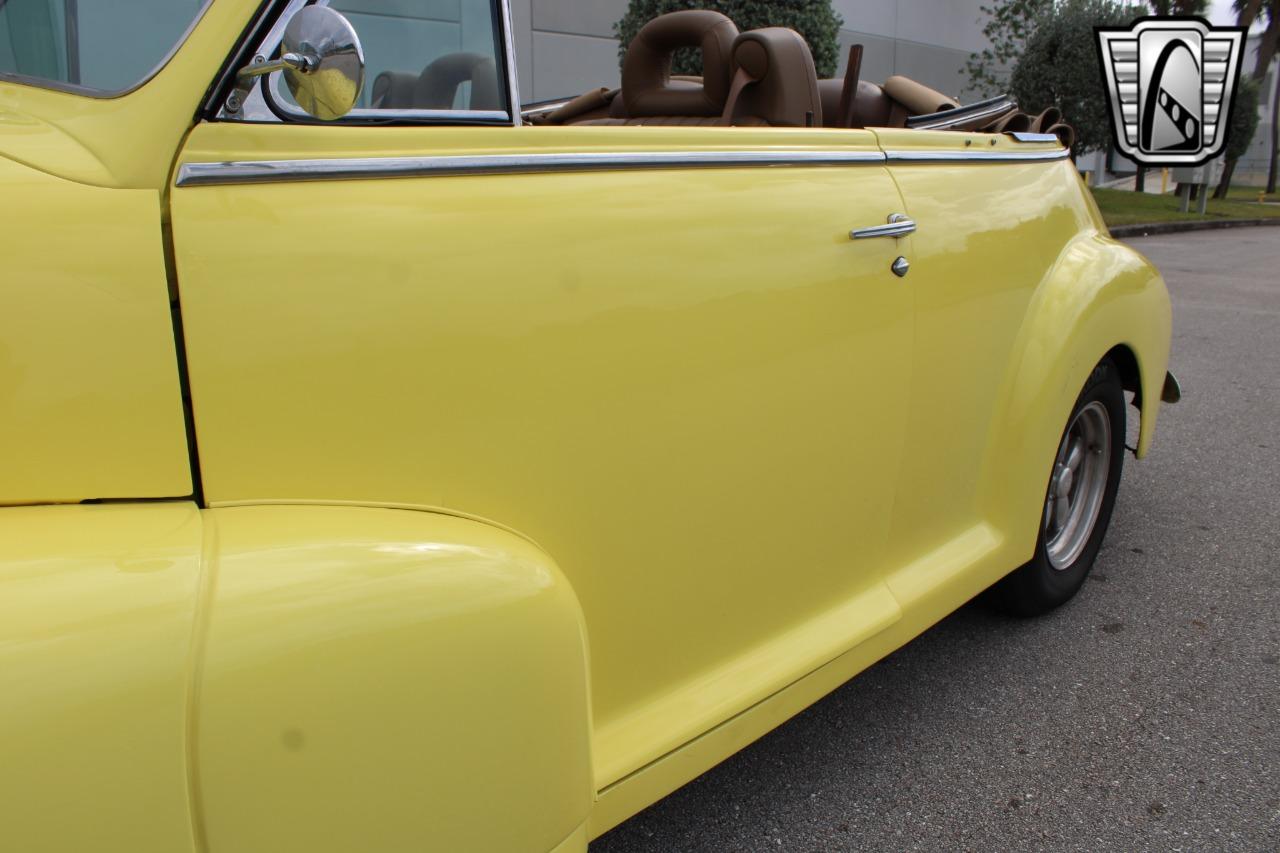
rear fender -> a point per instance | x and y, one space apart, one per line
1100 294
382 679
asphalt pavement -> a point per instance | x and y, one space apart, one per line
1143 715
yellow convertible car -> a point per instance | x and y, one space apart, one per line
387 464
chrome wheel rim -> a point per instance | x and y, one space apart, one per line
1077 485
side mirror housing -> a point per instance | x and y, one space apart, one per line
322 62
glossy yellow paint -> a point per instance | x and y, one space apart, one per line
941 587
636 396
632 395
271 678
1019 293
754 461
97 607
88 371
88 374
385 679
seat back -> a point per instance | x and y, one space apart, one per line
871 106
774 80
436 87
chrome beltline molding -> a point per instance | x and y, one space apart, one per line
250 171
926 156
354 168
1028 136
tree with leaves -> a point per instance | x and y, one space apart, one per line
1179 7
1247 12
816 20
1275 140
1009 23
1058 67
1244 119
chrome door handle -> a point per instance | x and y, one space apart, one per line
898 226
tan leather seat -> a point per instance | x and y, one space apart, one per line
436 88
1015 122
774 80
910 98
871 106
1047 119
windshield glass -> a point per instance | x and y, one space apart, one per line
106 46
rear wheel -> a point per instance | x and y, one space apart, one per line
1078 502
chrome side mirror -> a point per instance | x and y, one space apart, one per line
322 61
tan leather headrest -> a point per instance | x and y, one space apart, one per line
646 70
918 98
438 84
785 88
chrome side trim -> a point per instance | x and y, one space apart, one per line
368 114
988 110
1025 136
266 171
976 156
354 168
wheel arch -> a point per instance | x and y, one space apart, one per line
1126 363
1100 299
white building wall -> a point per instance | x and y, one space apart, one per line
565 47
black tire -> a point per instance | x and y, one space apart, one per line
1038 586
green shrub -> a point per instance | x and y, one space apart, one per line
813 19
1059 67
1244 119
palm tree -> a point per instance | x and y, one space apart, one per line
1248 11
1179 7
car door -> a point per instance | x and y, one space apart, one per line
655 351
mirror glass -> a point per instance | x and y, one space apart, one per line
330 84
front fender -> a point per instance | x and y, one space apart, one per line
1100 294
382 679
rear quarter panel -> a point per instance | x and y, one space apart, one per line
1020 291
1098 295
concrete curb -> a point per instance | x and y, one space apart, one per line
1143 230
